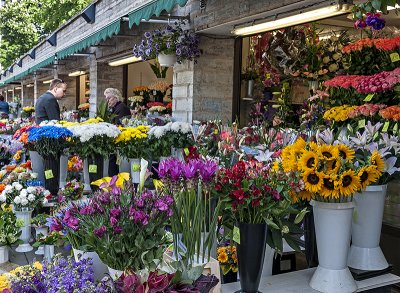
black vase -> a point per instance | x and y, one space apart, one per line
230 277
310 240
251 252
95 173
51 166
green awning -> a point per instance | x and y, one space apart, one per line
41 64
99 36
154 7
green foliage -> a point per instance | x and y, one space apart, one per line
373 6
158 70
26 22
9 229
104 113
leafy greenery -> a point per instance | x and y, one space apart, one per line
158 70
104 113
26 22
372 6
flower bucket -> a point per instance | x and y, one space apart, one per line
115 274
365 253
99 268
52 174
251 252
3 254
177 153
250 88
25 216
166 60
86 180
333 231
124 166
63 170
37 164
48 252
44 232
135 170
105 167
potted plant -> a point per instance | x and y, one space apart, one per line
39 223
170 44
48 241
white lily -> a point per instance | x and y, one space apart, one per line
390 165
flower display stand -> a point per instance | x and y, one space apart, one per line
63 170
333 231
52 174
4 257
48 251
365 253
86 179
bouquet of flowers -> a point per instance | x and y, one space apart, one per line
71 191
24 197
158 90
76 277
132 142
40 220
328 172
119 221
27 111
50 141
156 107
94 138
9 228
51 239
227 258
83 110
172 39
191 183
142 91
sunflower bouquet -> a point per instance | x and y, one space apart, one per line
227 258
329 173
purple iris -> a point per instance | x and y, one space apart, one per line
375 21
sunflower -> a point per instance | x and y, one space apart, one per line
289 159
305 195
308 160
330 187
328 152
346 152
293 196
313 146
332 166
313 180
349 183
299 145
223 257
368 175
377 160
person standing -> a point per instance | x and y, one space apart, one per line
46 107
4 107
118 108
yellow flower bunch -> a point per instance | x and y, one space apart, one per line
4 282
132 133
121 178
340 113
92 120
67 123
28 109
328 171
227 259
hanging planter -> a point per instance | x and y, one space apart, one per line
167 60
365 253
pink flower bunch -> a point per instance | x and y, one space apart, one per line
377 83
366 110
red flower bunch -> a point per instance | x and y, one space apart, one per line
154 104
366 110
381 44
391 113
249 190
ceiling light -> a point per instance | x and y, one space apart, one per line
47 81
29 85
10 90
300 18
76 73
125 61
18 88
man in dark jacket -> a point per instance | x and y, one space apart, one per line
46 107
118 108
4 107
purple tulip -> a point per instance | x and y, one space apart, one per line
117 230
87 210
375 21
208 170
100 231
115 212
161 205
113 221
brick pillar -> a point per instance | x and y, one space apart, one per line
182 102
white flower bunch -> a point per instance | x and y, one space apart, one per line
136 99
86 132
22 197
178 127
182 127
133 122
157 109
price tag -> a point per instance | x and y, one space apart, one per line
236 234
48 174
215 131
135 167
369 97
361 123
92 168
268 76
394 57
154 92
141 93
385 126
186 150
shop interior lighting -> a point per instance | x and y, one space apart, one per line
303 17
123 61
29 85
47 81
76 73
18 88
397 6
10 90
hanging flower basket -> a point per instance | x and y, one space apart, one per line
167 60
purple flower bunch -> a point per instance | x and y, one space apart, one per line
120 222
169 40
373 20
58 274
174 171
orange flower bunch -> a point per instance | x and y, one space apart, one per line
381 44
391 113
2 187
84 106
26 165
140 89
227 258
